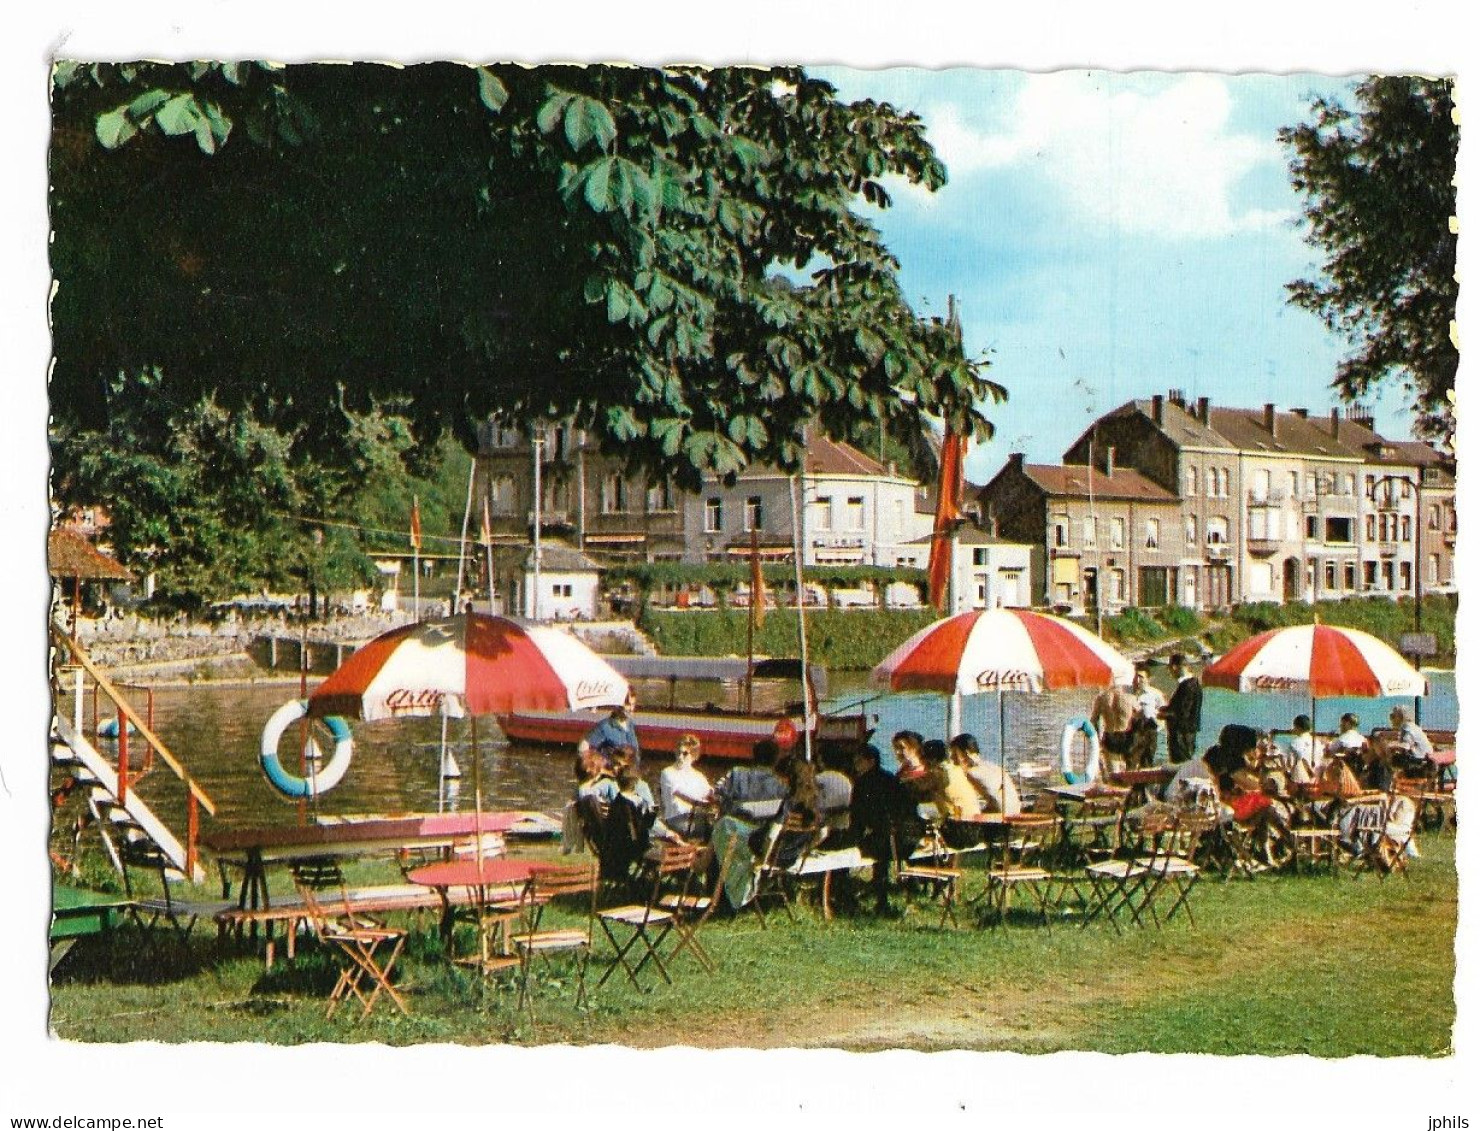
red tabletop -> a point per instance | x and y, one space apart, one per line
477 873
1149 776
405 830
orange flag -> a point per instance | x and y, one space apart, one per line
487 531
415 524
757 583
947 513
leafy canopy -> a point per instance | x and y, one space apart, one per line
1379 183
671 257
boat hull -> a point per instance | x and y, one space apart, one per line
721 736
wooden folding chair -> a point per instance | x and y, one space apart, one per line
1124 883
1363 821
694 902
774 878
1317 843
532 941
639 920
1171 865
1019 866
164 918
367 954
932 870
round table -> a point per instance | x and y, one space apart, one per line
480 877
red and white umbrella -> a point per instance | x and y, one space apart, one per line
1317 660
468 664
1002 650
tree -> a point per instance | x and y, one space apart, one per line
1380 195
607 244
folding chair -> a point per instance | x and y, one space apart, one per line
550 884
1171 865
363 953
775 876
691 906
156 917
638 920
1317 843
931 870
1363 822
1123 884
1019 866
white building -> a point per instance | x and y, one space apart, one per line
855 511
987 572
566 588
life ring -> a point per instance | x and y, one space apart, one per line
1066 751
321 781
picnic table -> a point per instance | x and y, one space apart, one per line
496 887
252 849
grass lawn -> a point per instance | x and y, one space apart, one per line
1278 965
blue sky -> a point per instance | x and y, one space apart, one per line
1111 236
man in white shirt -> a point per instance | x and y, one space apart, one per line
683 791
1306 755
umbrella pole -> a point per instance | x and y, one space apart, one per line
1002 749
477 793
953 715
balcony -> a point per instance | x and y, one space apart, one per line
1219 551
1269 498
1388 549
1262 547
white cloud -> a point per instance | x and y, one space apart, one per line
1146 154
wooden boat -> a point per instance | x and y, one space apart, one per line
728 723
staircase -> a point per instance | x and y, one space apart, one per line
130 829
125 820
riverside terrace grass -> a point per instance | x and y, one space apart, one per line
1283 964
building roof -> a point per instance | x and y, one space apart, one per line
968 535
558 557
1294 434
71 555
1178 424
1078 481
833 457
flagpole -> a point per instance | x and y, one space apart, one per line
415 558
757 606
488 554
462 544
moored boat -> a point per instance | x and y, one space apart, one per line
729 724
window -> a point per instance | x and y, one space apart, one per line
560 590
1310 484
1349 576
979 556
1369 575
1449 517
613 495
501 497
1371 487
1218 531
1224 478
1407 529
1434 569
1405 488
1259 525
822 513
1349 485
1372 528
754 514
855 512
899 517
1192 530
1061 530
1312 526
1330 577
660 496
1089 530
1189 481
1212 478
1117 586
1153 535
714 516
1259 487
1294 484
1339 531
1117 533
1433 516
1405 576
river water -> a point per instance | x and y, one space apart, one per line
215 730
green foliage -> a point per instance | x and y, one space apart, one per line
605 244
645 577
1381 195
1385 619
1133 624
1180 619
840 640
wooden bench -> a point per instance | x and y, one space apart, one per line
292 913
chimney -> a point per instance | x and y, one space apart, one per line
1110 461
1336 424
1156 413
1269 418
1202 409
1015 461
1177 397
1303 413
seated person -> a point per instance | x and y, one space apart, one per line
1304 756
1349 739
1409 748
795 823
685 794
952 793
998 792
834 792
880 815
1376 771
751 783
628 827
907 745
594 777
1204 780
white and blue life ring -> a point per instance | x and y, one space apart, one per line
322 780
1073 729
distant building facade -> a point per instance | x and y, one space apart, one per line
1269 506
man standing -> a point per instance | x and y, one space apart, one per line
1112 717
1183 713
614 731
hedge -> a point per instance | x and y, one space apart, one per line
839 639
